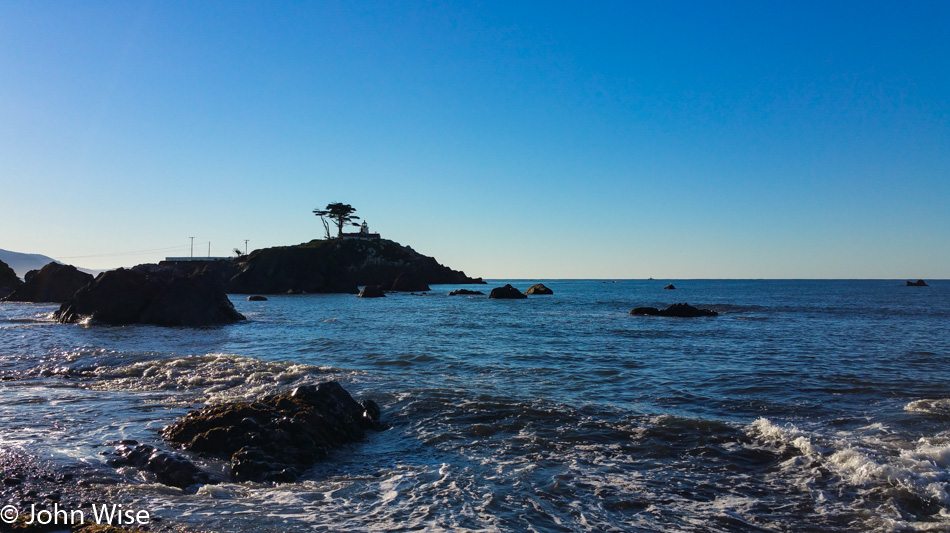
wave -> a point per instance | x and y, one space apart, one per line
894 484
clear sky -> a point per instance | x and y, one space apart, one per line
507 139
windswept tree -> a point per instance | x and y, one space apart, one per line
340 214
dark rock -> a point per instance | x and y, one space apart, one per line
9 281
683 310
52 283
169 469
408 282
538 289
280 436
918 283
506 292
465 292
256 299
338 266
372 291
669 287
150 294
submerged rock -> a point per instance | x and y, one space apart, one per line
54 282
538 289
465 292
682 310
168 468
506 292
278 437
150 294
918 283
372 291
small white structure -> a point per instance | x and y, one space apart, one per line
363 233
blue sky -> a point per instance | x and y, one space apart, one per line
534 140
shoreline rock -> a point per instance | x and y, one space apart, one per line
54 283
149 294
9 281
278 437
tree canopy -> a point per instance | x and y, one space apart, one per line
341 214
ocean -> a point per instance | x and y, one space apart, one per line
804 406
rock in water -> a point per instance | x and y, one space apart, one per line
9 281
408 282
169 469
683 310
278 437
538 289
506 292
256 298
669 287
918 283
465 292
149 294
372 291
52 283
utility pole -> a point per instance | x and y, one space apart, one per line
245 246
209 249
192 247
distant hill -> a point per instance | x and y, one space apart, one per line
23 263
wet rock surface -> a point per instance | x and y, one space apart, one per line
506 293
27 483
278 437
682 310
52 283
168 468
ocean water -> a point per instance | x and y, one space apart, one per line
804 406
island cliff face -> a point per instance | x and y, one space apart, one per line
338 265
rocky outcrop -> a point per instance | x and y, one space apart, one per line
54 282
372 291
335 265
168 468
277 437
918 283
465 292
256 298
150 294
506 293
683 310
669 287
9 281
538 289
408 282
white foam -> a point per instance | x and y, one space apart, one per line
213 376
931 407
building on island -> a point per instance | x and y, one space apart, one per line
363 233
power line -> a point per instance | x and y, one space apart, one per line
139 252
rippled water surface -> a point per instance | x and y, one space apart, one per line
805 405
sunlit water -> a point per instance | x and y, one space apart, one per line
806 405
